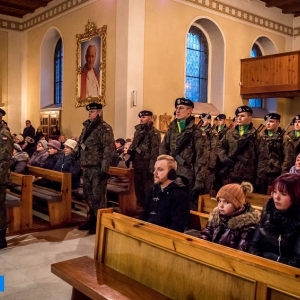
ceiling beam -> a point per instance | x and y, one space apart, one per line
15 6
10 13
291 9
280 3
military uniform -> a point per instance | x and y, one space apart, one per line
281 155
6 151
255 155
208 160
144 151
190 154
97 148
295 138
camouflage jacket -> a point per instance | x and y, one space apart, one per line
210 138
222 132
145 144
6 151
97 144
296 142
255 153
191 153
280 153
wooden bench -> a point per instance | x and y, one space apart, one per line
58 203
206 204
19 206
178 265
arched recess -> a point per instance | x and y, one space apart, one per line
267 47
47 67
216 63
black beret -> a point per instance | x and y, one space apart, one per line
296 118
93 105
145 113
203 115
183 101
2 112
273 116
221 117
293 121
243 108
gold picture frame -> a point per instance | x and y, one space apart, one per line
91 65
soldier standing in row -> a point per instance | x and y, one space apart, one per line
208 160
96 145
143 153
6 150
280 150
243 151
183 141
295 135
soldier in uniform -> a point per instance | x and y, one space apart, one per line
207 161
245 163
295 134
6 150
143 153
96 146
280 150
183 141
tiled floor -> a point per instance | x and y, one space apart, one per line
26 263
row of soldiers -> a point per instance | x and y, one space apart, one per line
210 156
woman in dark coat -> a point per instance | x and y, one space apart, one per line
278 234
233 222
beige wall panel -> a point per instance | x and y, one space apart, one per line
101 13
165 37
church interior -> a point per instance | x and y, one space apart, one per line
142 64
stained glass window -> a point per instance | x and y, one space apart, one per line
58 62
255 102
196 66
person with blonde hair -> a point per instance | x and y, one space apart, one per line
167 203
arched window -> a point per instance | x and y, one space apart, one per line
196 66
58 63
256 52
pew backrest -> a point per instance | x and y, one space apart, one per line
183 267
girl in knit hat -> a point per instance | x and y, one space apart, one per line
233 222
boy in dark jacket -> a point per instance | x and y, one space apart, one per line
167 204
233 222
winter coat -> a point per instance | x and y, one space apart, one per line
97 144
255 152
278 235
168 207
51 160
66 163
191 153
146 142
18 162
29 131
38 158
234 230
281 154
116 156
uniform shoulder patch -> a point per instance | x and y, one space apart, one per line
4 138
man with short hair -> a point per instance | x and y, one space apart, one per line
6 151
89 75
96 145
167 203
119 149
143 153
251 160
28 130
184 142
280 150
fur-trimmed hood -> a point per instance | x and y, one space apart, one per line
246 217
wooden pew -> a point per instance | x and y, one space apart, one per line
19 207
58 203
206 204
180 266
125 190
